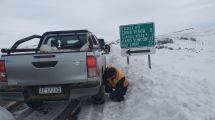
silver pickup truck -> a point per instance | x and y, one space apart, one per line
64 65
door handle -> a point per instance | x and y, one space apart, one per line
45 56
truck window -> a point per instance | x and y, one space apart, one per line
94 40
31 44
90 40
72 42
51 41
63 43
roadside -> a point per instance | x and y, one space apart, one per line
178 87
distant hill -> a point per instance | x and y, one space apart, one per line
199 39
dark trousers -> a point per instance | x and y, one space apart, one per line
118 95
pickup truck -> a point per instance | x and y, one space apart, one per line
64 65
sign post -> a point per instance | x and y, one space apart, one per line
127 59
149 61
137 39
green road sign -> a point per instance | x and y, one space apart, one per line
137 35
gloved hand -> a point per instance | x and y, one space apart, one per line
113 89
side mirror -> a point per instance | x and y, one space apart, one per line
107 49
102 43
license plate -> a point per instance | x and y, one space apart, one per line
50 90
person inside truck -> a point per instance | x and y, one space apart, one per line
115 83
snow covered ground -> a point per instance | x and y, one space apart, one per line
5 115
180 85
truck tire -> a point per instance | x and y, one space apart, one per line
31 103
34 104
99 98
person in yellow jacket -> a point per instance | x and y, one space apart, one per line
115 83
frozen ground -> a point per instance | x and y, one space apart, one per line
180 85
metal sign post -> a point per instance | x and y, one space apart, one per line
137 39
127 59
149 61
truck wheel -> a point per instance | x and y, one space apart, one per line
34 104
31 103
99 98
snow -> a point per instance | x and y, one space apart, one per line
50 110
5 115
180 85
89 111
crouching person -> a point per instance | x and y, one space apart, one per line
115 83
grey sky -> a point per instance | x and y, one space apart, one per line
20 18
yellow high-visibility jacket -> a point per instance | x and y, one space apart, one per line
120 78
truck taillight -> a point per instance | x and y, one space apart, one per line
3 76
92 67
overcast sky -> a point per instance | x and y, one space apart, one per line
20 18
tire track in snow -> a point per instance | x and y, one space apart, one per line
90 111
